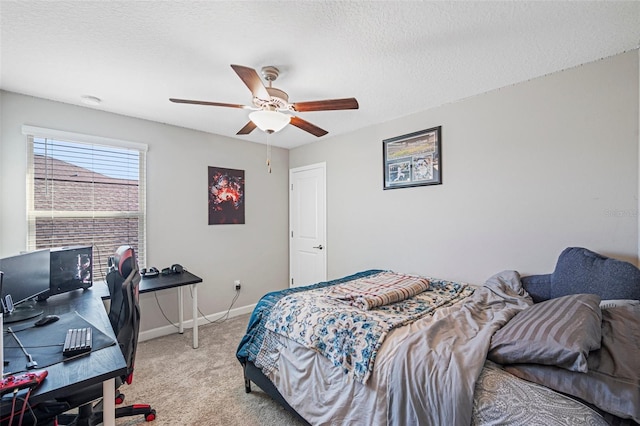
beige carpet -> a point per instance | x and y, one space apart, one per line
201 386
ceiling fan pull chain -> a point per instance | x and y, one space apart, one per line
268 154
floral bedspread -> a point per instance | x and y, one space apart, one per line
348 336
255 340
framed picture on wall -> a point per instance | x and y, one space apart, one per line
413 159
226 196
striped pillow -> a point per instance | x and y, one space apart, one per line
558 332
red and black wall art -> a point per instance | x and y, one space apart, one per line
226 196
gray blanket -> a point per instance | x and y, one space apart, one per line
442 379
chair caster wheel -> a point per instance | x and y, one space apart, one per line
150 416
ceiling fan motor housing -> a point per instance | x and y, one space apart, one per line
279 99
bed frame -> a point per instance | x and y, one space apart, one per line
255 375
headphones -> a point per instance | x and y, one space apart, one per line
154 272
149 273
174 269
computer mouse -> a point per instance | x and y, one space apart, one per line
47 319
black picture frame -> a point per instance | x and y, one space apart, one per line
414 159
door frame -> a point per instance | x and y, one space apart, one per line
323 166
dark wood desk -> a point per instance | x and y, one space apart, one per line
164 282
103 365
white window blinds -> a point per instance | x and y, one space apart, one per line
84 190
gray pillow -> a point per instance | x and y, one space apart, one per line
538 287
558 332
579 270
613 380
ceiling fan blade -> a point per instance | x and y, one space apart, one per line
251 78
327 105
248 128
188 101
307 127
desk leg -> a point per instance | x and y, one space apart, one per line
109 402
195 315
180 310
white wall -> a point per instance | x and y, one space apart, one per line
177 227
527 171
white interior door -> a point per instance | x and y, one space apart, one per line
308 225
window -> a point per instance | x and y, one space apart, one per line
85 190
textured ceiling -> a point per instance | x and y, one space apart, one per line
395 57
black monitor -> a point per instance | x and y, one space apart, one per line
26 276
71 269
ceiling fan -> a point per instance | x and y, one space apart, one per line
271 108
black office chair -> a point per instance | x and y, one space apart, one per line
123 279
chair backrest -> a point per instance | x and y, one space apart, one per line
123 279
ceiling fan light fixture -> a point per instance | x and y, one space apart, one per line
269 103
269 121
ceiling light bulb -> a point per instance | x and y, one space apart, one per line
269 121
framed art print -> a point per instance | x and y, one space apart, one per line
226 196
413 159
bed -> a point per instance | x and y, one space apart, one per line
385 348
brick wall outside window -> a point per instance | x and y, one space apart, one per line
60 186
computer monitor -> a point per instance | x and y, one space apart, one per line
25 277
71 269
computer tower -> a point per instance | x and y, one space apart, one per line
71 269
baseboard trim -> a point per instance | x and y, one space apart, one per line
170 329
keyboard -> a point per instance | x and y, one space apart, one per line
78 341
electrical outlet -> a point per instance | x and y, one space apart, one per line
236 284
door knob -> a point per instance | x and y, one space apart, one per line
319 247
